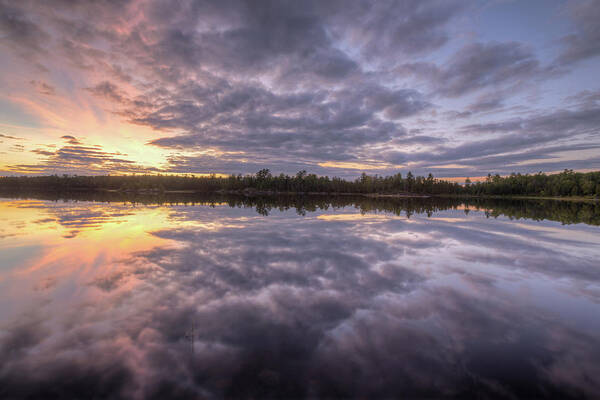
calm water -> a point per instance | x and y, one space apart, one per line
309 298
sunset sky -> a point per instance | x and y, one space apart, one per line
454 88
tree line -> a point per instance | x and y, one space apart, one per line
566 183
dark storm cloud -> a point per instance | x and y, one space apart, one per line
584 43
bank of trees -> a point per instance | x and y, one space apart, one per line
263 181
566 183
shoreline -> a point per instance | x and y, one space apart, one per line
521 197
267 193
255 192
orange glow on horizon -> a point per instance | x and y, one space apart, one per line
87 243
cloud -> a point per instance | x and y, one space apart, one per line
322 124
314 97
71 139
585 99
486 103
377 31
108 91
10 137
19 32
43 87
584 42
563 122
481 65
292 85
76 156
506 143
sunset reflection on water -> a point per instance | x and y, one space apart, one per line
101 298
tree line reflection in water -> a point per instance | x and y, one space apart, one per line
563 211
232 298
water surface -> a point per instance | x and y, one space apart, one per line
298 298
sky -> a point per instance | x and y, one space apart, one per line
455 88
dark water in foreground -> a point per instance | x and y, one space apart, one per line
299 298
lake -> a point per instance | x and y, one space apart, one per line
104 296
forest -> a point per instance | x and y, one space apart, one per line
564 184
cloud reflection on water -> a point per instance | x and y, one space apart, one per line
323 305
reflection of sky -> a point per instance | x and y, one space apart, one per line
331 304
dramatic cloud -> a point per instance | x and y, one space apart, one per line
232 86
77 156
